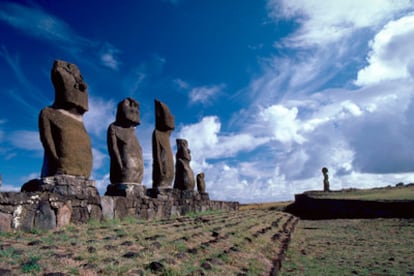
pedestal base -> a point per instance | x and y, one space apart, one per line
63 185
126 190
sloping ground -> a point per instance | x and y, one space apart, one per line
250 242
351 247
397 202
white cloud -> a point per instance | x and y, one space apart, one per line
324 22
283 123
203 94
391 56
100 115
101 183
33 175
35 22
109 57
205 140
181 84
25 139
99 159
9 188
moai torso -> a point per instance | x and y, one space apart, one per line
184 176
127 165
62 132
163 162
201 185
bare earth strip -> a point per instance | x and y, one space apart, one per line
250 242
351 247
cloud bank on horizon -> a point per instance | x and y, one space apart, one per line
265 102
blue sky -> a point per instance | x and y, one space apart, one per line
266 92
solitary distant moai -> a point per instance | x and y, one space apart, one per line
163 162
184 176
325 179
201 185
127 165
62 132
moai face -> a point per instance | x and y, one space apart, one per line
183 152
128 113
70 89
164 120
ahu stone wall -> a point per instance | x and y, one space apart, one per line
56 201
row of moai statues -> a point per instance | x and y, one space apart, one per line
67 146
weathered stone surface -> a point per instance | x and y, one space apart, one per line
64 215
163 162
45 217
5 222
23 217
126 190
325 179
127 165
107 204
62 132
201 185
184 176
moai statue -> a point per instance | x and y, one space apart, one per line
184 176
201 185
127 165
325 179
163 162
62 132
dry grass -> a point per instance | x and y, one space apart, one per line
351 247
247 242
268 205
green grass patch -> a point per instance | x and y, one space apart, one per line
377 194
351 247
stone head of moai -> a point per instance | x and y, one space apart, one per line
183 152
201 185
62 132
164 120
70 89
127 114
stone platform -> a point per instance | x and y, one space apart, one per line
56 201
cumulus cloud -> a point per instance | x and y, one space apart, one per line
391 56
206 140
322 23
283 123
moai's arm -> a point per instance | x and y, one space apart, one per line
113 149
46 135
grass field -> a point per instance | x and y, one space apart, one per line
351 247
378 194
249 242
